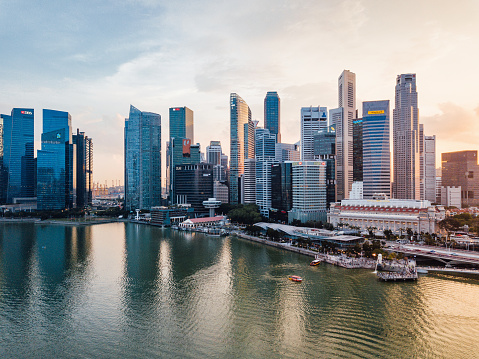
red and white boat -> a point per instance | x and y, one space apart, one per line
315 262
295 278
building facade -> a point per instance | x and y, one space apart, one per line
18 155
309 191
287 152
313 119
376 150
358 150
194 184
390 214
430 168
451 196
272 114
460 169
56 166
282 186
240 114
84 169
265 156
325 151
248 182
406 139
181 123
142 160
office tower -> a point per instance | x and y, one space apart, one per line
265 157
181 152
193 185
249 142
376 151
422 185
287 152
451 196
142 160
56 166
358 150
181 123
342 119
240 114
220 191
309 191
325 151
272 114
282 186
248 182
3 177
438 188
460 169
84 172
406 139
213 156
430 168
313 119
18 155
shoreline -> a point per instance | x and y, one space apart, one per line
61 223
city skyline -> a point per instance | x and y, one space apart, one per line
67 66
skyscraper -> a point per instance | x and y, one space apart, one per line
3 177
56 170
358 150
181 152
430 168
194 184
265 156
18 154
272 114
142 160
213 156
313 119
406 139
376 152
460 169
342 119
84 172
240 114
181 123
325 151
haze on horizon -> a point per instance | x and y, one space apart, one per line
95 59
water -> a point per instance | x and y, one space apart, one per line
134 291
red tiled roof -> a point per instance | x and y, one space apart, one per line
206 219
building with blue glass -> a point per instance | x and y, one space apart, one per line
240 114
142 160
181 123
18 155
325 150
193 185
3 177
272 114
56 172
265 155
376 151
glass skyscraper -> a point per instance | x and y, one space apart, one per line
272 114
325 150
358 150
265 155
240 114
84 164
142 160
376 152
18 155
181 123
56 172
3 178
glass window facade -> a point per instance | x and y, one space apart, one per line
84 165
181 123
18 154
376 151
142 160
194 184
272 114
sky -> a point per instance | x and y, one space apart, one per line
95 58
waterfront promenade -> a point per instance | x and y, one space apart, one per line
438 253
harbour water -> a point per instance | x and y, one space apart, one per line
134 291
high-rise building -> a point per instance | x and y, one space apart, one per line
325 151
272 114
287 152
342 119
460 169
309 191
18 155
181 123
358 150
281 190
142 160
430 168
313 119
56 166
213 156
265 156
3 177
248 182
376 151
406 139
84 171
240 114
193 185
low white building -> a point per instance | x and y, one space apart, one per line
396 215
356 190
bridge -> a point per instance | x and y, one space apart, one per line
447 256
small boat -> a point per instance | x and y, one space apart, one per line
315 262
295 278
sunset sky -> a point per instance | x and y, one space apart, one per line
95 58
